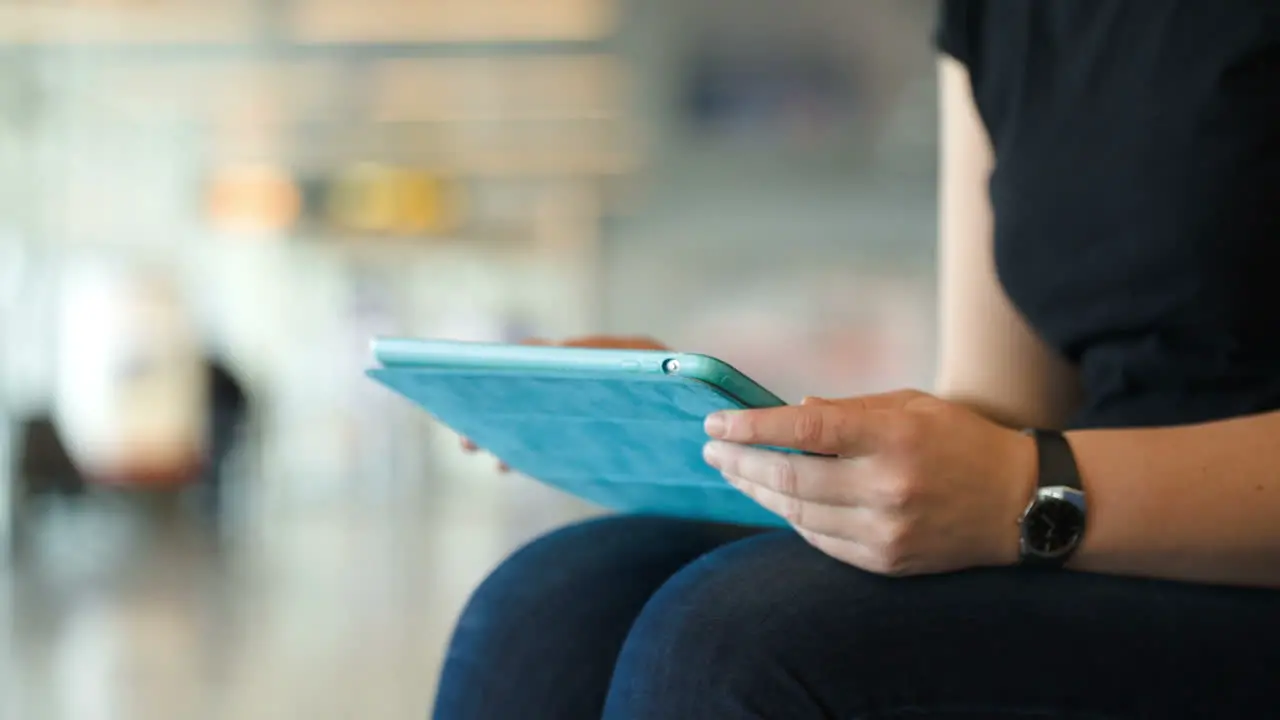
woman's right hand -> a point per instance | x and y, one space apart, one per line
604 342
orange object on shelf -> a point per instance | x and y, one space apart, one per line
254 198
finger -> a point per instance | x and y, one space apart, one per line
468 446
828 481
591 341
821 428
839 521
896 400
503 467
613 342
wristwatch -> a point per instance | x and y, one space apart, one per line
1054 522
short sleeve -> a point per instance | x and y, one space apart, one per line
957 30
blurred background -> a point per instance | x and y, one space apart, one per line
208 207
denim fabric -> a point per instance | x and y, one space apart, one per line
635 617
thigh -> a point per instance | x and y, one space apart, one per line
768 627
540 636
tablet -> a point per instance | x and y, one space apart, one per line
622 429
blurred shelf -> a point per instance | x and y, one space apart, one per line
373 28
450 20
507 249
491 255
487 93
178 50
27 22
244 92
479 117
479 165
586 86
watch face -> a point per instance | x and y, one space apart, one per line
1052 526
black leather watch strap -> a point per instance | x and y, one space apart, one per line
1057 463
1058 482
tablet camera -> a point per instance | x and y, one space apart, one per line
671 366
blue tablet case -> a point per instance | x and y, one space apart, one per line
631 443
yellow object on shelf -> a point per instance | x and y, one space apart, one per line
378 199
425 204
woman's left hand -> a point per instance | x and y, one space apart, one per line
910 484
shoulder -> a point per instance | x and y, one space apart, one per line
1101 30
1030 58
993 36
958 28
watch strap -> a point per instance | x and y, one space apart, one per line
1056 468
1056 463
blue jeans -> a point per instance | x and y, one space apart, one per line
633 617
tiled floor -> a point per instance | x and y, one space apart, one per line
125 610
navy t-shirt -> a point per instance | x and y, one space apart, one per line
1136 193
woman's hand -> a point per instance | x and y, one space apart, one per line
912 484
607 342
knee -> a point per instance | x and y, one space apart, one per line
546 625
596 566
751 619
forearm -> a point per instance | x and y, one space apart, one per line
1198 503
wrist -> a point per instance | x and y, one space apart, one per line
1021 480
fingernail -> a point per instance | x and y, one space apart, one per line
716 424
711 453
